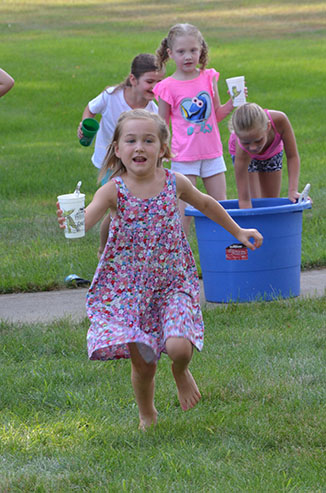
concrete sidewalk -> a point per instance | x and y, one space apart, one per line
47 306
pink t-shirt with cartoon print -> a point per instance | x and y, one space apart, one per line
195 133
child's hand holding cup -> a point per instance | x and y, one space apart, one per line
236 86
87 131
71 215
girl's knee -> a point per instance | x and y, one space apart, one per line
142 371
179 349
139 365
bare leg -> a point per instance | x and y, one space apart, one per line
186 220
180 351
216 186
143 382
270 183
104 231
254 185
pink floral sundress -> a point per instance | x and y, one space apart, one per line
145 288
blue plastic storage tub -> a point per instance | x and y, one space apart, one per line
270 272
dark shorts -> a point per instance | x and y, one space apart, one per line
272 164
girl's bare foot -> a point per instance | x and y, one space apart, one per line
188 393
147 421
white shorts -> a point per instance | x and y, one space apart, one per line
203 168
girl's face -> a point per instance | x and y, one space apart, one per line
146 82
255 139
186 53
139 146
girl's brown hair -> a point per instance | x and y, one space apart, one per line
114 163
142 63
182 30
248 116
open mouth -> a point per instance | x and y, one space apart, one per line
139 159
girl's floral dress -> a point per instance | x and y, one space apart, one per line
145 288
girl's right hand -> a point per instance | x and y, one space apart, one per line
61 219
80 134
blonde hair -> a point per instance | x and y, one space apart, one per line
248 116
182 30
142 63
113 162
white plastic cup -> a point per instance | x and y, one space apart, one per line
72 206
236 86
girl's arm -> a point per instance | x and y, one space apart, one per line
105 198
164 110
221 111
6 82
241 163
284 128
212 209
87 114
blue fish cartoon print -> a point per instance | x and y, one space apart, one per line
197 109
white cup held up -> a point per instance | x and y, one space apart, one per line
236 86
72 206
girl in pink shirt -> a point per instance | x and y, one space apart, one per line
256 147
190 99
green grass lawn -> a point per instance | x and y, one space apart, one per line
62 54
68 424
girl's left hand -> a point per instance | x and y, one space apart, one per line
294 196
246 234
